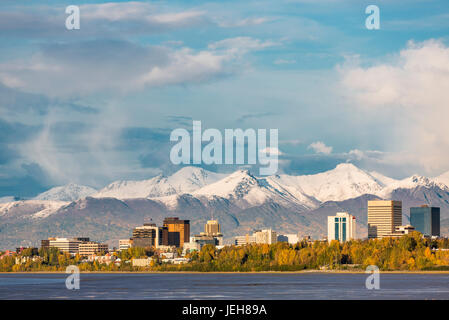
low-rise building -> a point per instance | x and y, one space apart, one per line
8 253
266 236
400 231
290 238
23 260
68 245
124 244
143 262
90 248
176 260
244 240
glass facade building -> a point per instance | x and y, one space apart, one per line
426 220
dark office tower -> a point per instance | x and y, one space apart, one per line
146 236
426 220
163 236
178 231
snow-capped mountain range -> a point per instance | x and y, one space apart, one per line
344 182
69 192
240 201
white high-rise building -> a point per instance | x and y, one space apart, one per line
341 227
266 236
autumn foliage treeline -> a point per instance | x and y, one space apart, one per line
410 252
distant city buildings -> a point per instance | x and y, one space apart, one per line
148 235
73 245
124 244
399 231
384 220
91 248
341 227
173 233
178 231
383 217
290 238
244 240
7 253
266 236
212 235
426 220
212 228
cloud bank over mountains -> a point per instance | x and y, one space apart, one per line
98 104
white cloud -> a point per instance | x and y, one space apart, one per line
138 11
240 45
87 67
116 11
177 18
320 147
412 89
272 151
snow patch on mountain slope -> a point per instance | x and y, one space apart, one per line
7 199
247 190
346 181
443 178
382 179
43 208
69 192
412 183
186 180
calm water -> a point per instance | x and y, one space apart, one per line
224 286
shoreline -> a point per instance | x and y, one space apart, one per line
234 272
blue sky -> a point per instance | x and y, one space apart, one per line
98 104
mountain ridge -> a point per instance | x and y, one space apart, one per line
241 202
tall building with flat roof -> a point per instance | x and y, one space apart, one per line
341 227
147 235
69 245
212 228
426 220
383 217
178 231
266 236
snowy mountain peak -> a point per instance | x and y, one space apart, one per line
345 181
416 181
247 190
443 178
236 184
69 192
347 166
186 180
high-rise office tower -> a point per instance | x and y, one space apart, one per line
178 231
147 235
212 228
341 227
383 217
426 220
